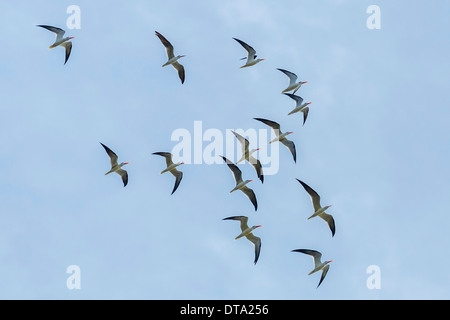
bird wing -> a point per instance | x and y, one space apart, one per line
257 242
305 114
258 167
166 155
297 99
179 67
291 146
111 155
274 125
124 175
59 32
245 143
167 44
315 198
242 219
292 76
251 52
316 255
178 175
251 195
324 273
236 171
330 220
68 46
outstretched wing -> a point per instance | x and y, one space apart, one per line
166 155
58 31
68 46
167 45
324 273
251 52
257 243
292 76
178 176
251 195
236 171
243 220
315 198
274 125
291 146
113 157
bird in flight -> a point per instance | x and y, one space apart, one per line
172 59
251 54
247 232
241 184
60 40
299 106
318 209
247 155
280 136
318 264
293 84
115 166
172 168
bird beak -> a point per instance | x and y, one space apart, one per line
258 226
72 38
250 180
309 102
262 59
330 261
291 132
258 149
126 163
182 163
305 81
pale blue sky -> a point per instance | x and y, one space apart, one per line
375 146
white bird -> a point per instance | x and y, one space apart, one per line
240 184
115 166
318 209
172 59
318 264
251 54
300 106
247 155
293 84
247 232
172 167
60 40
280 136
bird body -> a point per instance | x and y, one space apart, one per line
172 167
240 185
171 61
302 108
247 232
281 137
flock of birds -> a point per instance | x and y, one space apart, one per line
246 231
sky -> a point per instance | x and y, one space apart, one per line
375 146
